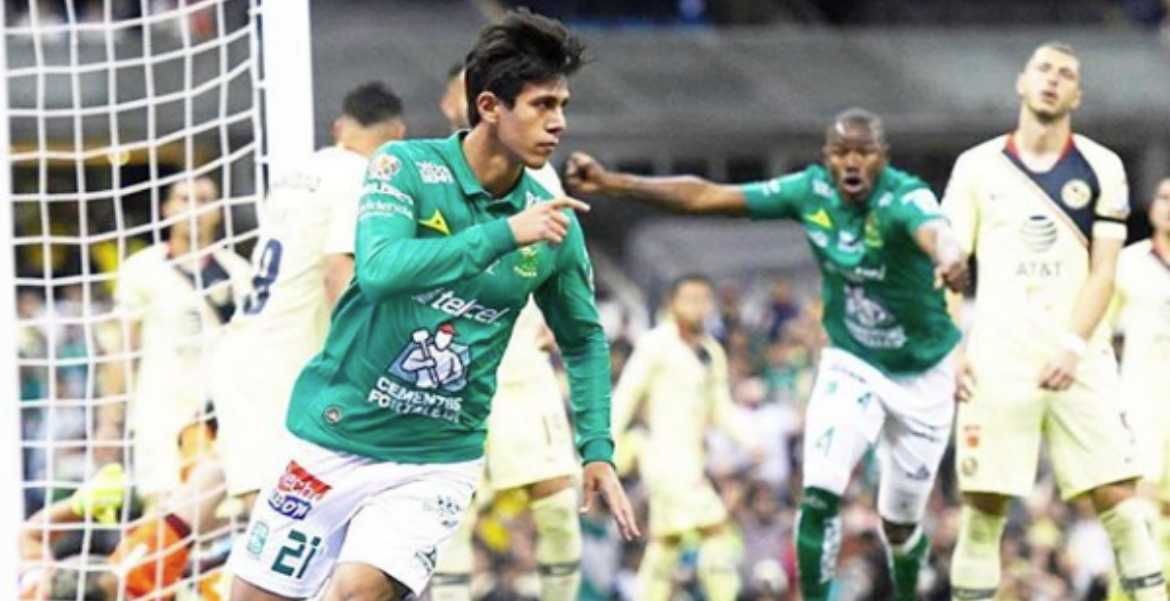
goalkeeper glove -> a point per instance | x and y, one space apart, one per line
102 495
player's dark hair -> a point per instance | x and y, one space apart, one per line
688 278
372 102
857 117
522 48
453 71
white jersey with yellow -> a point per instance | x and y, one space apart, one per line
1141 311
679 391
1031 233
181 306
309 214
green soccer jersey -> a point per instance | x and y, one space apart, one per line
880 302
408 369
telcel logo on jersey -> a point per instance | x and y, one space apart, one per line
296 492
447 301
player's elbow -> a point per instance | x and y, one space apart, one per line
377 286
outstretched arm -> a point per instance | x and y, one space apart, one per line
681 194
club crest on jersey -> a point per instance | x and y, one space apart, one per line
1076 194
296 491
385 167
872 235
528 265
433 360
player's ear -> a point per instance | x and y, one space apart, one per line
1076 100
488 105
1020 85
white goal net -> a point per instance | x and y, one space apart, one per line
135 153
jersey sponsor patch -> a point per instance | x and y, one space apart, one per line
389 190
433 360
449 302
379 208
296 491
1039 232
432 173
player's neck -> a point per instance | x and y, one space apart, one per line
1161 243
1037 139
495 168
689 335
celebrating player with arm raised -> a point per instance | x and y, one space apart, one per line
877 236
452 238
1044 212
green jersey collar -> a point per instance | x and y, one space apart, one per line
452 150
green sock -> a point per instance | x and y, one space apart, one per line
906 561
818 539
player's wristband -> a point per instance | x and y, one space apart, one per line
1075 345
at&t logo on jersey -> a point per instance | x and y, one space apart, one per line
296 491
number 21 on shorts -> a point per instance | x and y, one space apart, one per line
292 559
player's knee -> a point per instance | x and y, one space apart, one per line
557 527
1108 496
897 534
988 503
363 583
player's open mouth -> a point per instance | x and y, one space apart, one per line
1049 96
852 183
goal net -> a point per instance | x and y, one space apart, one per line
137 152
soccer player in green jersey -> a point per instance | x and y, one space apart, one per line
453 236
888 377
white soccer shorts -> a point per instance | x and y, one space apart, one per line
855 406
328 507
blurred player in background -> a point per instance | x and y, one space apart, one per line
1044 211
302 262
529 442
888 377
175 297
677 379
453 236
1141 312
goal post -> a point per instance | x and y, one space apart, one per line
109 105
10 457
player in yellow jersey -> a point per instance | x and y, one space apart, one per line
529 443
1141 311
301 264
677 380
1044 211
